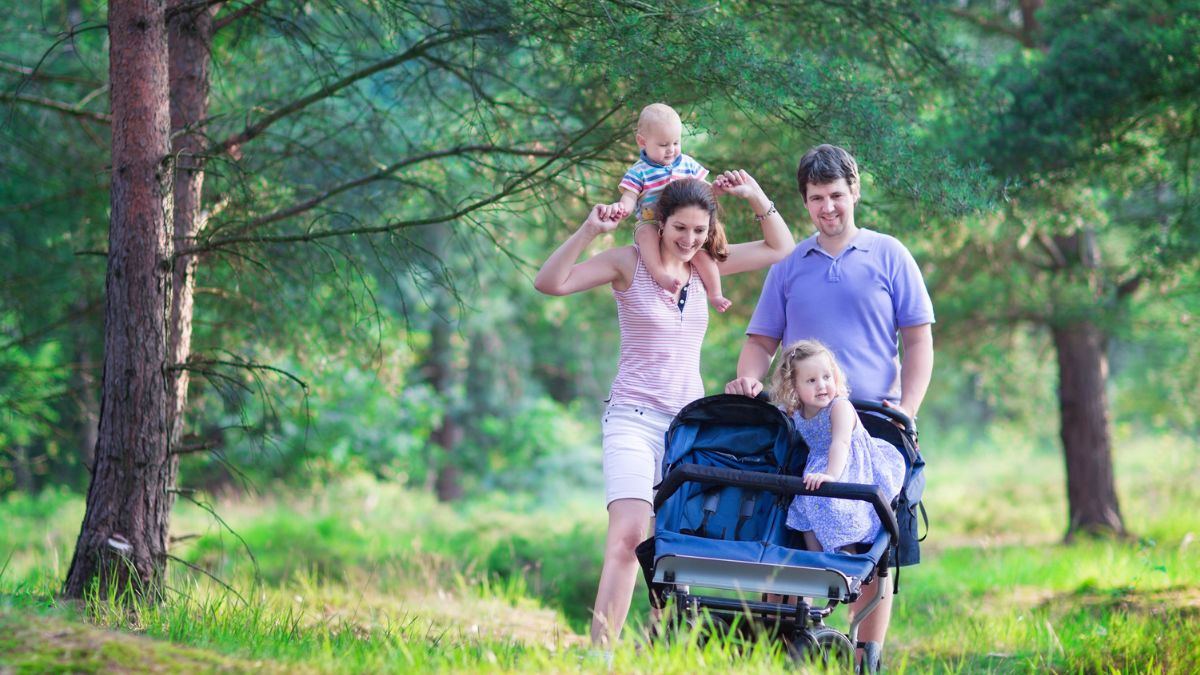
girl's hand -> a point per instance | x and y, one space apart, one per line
812 481
737 183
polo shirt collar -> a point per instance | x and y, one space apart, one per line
862 241
678 159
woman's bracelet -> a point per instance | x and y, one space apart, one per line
765 215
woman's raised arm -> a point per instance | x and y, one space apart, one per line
561 275
777 241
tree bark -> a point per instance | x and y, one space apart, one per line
190 47
83 383
1092 506
449 434
123 539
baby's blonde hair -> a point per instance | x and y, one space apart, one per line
656 114
783 383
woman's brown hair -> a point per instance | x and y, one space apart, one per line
694 192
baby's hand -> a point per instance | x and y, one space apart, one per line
812 481
615 211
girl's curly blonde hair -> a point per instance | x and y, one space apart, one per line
783 383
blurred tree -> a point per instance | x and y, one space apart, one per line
1088 118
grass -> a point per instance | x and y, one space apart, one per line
364 577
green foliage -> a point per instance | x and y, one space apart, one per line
31 379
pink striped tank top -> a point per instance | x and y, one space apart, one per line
660 343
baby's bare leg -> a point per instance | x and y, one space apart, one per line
706 267
647 238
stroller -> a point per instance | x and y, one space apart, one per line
731 468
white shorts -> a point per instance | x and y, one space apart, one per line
634 443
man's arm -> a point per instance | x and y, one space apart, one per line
916 366
753 365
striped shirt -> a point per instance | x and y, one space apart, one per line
660 343
647 179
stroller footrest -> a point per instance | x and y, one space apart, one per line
754 577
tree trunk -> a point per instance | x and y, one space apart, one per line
190 47
84 385
22 476
441 376
123 539
1087 442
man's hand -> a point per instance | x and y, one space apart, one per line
745 386
897 408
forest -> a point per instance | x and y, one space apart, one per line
277 390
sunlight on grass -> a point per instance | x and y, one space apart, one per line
364 576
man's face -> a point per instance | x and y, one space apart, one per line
831 206
661 141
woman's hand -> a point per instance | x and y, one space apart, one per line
737 183
560 275
604 218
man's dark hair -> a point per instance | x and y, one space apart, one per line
825 164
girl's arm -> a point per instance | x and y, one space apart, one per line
841 420
777 241
561 275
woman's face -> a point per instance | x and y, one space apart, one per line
684 233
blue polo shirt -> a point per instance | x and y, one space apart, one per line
854 303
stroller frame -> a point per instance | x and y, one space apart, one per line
686 556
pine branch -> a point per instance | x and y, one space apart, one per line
414 52
386 172
227 19
518 184
57 106
212 512
994 26
32 74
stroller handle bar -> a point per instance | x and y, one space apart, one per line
783 485
891 413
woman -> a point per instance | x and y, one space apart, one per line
659 368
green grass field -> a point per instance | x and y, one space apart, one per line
364 577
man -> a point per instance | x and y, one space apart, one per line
856 291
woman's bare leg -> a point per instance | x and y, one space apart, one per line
628 520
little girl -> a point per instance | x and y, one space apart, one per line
810 386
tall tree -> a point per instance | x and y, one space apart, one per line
1090 110
123 540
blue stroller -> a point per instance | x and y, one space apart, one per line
731 468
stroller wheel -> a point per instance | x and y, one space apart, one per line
826 646
872 659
